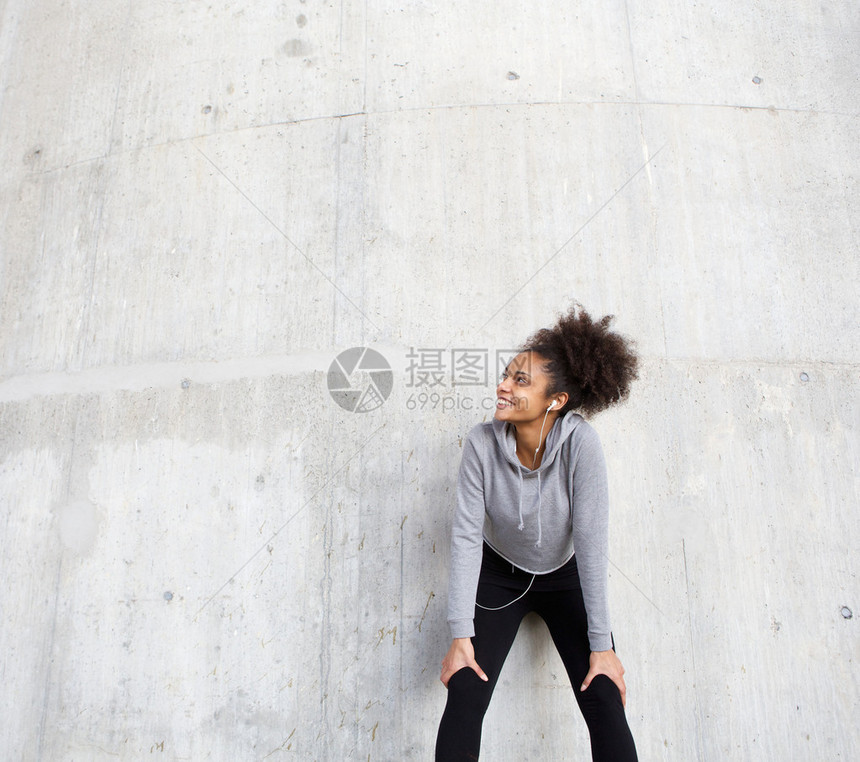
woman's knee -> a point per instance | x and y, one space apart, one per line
467 690
600 699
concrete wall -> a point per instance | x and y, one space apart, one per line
202 204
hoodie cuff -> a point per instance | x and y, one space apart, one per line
462 628
600 642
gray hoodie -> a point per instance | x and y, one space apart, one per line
533 518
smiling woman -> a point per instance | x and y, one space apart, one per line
530 533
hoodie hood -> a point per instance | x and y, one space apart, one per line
562 428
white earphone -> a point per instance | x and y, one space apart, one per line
540 436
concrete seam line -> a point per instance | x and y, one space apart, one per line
140 377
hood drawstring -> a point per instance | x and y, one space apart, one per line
540 498
521 524
540 505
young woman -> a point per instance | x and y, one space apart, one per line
530 533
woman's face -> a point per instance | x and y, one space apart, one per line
521 394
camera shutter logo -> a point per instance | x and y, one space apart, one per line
360 379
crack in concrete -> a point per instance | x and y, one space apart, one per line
285 236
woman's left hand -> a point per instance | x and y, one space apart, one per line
606 663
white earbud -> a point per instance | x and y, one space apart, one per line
540 436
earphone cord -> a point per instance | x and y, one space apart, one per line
534 458
499 608
540 436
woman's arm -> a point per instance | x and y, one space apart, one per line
591 545
467 539
466 554
590 524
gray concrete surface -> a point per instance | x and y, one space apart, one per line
202 204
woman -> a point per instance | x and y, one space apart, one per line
530 533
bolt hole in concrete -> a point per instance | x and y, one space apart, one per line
168 596
207 109
186 383
33 155
756 80
512 75
847 613
804 377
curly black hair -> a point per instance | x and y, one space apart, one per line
594 365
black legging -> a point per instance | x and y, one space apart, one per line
557 598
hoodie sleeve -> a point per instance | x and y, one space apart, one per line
590 519
467 538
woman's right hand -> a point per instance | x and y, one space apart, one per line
460 654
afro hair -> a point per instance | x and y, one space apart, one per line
594 365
